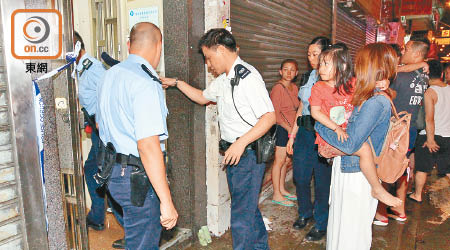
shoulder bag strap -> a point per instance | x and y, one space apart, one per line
287 92
232 97
293 104
394 110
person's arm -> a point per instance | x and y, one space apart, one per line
152 158
192 93
234 152
430 97
319 116
290 143
149 128
276 97
359 129
414 66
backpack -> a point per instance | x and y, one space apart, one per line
392 160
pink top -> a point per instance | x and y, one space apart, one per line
285 103
336 106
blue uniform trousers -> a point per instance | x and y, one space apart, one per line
306 161
97 193
247 226
142 224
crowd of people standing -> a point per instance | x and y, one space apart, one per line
330 135
324 127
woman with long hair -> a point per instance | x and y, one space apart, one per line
352 207
306 160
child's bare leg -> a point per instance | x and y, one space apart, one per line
368 168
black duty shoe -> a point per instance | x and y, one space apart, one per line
96 227
119 244
301 222
315 235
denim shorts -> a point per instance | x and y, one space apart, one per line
282 137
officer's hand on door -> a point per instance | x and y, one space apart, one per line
169 215
234 153
168 82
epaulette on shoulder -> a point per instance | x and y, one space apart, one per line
86 65
242 71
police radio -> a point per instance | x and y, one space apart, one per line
240 71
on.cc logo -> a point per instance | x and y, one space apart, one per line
36 29
36 34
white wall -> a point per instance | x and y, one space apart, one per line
218 200
125 9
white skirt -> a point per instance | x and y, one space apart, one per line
352 209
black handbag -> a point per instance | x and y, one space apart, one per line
265 145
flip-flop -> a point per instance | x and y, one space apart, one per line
290 197
382 223
412 199
282 203
395 215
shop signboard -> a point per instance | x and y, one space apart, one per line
442 41
445 33
416 7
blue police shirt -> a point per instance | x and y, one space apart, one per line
305 92
88 80
131 106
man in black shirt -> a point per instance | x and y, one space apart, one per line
410 88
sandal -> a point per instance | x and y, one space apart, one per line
395 215
283 203
382 223
291 197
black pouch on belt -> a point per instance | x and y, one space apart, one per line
140 184
108 159
306 121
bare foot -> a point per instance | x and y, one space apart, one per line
415 197
286 193
381 217
384 196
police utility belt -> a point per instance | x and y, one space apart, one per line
139 182
224 145
306 121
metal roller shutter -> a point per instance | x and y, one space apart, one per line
350 31
270 31
371 30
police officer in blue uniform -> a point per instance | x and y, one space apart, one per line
132 119
90 72
245 114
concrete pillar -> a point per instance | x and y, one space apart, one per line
183 27
216 15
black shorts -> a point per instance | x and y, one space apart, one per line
425 160
282 137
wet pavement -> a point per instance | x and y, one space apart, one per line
427 226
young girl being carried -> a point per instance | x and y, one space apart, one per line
331 105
